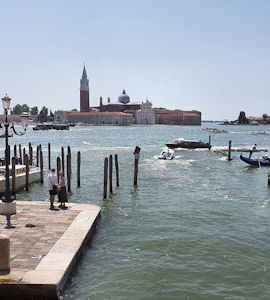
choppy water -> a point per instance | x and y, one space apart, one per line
196 227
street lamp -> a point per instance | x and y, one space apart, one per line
8 205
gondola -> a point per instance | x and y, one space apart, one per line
256 162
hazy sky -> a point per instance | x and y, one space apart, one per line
212 56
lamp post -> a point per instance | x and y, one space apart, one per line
8 205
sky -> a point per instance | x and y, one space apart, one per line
208 55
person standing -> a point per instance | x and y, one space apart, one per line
252 149
52 184
62 194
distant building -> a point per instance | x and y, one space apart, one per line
177 117
145 115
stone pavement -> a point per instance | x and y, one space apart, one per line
45 254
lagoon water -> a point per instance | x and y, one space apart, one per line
196 227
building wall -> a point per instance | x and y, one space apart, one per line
169 117
101 119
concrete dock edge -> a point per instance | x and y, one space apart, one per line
48 279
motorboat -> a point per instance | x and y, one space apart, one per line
20 176
190 144
167 154
265 161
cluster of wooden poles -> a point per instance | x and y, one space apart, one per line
108 164
22 157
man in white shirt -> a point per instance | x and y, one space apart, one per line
52 184
252 149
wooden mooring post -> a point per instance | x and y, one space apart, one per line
13 176
136 163
15 151
37 163
49 156
209 142
78 169
63 160
58 167
69 152
24 153
105 183
31 155
27 172
69 172
268 176
230 150
41 166
20 153
110 172
116 169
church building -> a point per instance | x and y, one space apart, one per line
123 111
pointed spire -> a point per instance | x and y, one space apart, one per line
84 74
124 92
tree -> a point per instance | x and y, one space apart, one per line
74 109
265 118
25 108
18 109
43 114
242 118
34 110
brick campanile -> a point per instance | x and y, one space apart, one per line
84 92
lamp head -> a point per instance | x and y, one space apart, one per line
24 119
6 102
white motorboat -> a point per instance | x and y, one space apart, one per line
167 154
20 177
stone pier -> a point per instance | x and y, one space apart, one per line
45 247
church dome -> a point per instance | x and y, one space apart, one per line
124 98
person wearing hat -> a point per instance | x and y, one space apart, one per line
52 184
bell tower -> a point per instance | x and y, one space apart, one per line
84 92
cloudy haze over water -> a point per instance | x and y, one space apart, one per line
212 56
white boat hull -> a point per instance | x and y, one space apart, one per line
20 179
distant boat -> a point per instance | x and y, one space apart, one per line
254 123
48 126
43 126
215 130
256 162
167 154
190 144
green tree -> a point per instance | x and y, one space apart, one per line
34 110
18 109
265 116
242 118
25 108
74 109
43 115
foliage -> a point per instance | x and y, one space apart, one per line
19 109
74 109
242 118
43 115
34 110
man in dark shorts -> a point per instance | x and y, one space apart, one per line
52 184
